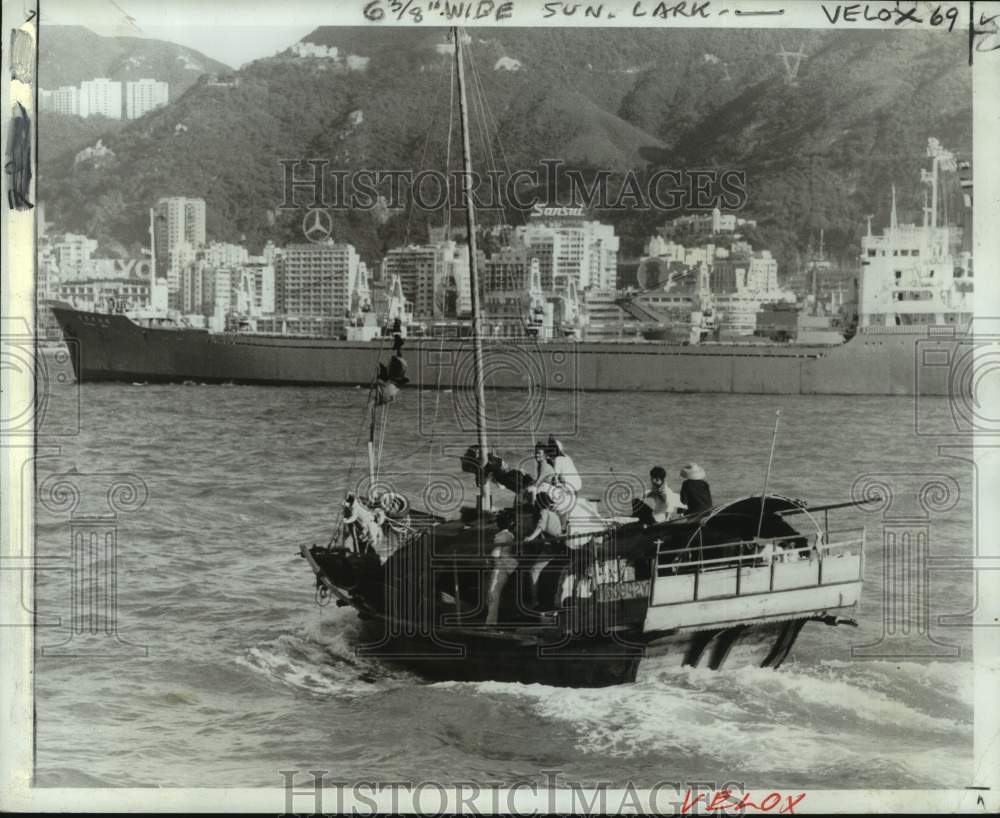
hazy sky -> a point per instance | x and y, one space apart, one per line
231 31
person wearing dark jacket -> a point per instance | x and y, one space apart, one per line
695 491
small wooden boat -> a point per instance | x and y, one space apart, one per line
735 582
731 584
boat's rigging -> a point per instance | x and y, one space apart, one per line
492 124
767 474
447 155
427 135
485 499
434 417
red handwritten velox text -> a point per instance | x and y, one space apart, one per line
725 800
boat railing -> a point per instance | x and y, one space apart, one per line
780 558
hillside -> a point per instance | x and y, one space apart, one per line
68 55
819 154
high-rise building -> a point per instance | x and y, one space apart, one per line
63 100
143 96
434 277
312 287
262 275
101 97
415 265
585 251
180 233
220 253
73 254
190 298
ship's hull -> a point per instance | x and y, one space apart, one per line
578 662
897 361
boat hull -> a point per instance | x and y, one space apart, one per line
897 361
577 662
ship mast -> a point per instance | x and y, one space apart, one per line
485 501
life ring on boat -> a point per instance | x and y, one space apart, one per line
395 506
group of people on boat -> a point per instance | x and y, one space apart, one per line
661 503
564 518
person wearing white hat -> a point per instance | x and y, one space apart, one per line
695 491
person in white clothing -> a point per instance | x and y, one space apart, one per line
364 525
563 467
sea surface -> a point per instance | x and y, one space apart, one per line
225 671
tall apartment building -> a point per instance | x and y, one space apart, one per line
756 273
312 287
63 100
218 253
262 275
142 96
180 233
584 250
434 278
73 255
102 97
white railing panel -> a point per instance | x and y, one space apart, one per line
670 589
723 612
717 583
798 574
843 568
755 580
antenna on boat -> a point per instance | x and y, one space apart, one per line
485 501
767 474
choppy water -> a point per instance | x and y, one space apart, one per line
246 676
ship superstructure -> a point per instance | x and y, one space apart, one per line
917 274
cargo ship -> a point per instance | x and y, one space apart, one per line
914 308
909 360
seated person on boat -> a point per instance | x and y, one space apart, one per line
696 494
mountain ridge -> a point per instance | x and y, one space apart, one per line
819 152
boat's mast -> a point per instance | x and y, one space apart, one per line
152 252
485 502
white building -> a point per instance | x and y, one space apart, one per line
143 96
262 275
63 100
72 254
434 278
585 251
707 224
312 287
304 49
219 253
180 234
101 97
